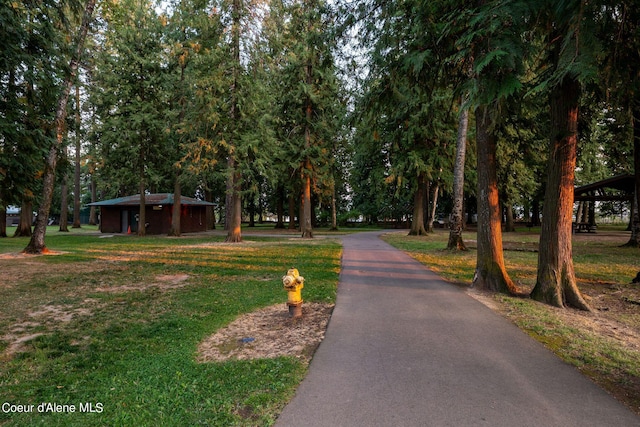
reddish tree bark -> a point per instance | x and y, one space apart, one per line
491 273
556 282
417 222
305 223
234 197
26 219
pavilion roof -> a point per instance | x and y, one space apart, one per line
601 190
151 199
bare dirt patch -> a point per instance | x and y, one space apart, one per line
42 319
163 282
269 333
22 255
604 321
25 268
58 313
41 322
18 343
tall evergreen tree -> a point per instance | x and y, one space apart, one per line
234 176
133 102
457 215
406 98
572 62
203 86
37 242
619 29
77 159
494 40
308 99
32 55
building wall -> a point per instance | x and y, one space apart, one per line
193 219
110 219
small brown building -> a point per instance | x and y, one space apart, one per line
122 215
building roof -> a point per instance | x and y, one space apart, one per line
13 210
151 199
623 185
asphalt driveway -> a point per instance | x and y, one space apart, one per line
404 348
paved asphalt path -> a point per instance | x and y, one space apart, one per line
404 348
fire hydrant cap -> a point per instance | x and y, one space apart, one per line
292 278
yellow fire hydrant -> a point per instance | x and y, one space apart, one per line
293 283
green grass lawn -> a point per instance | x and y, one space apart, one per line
104 334
112 324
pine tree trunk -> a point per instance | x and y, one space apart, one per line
334 212
535 220
592 213
94 198
632 209
434 206
37 243
306 219
314 204
228 198
457 215
556 282
228 203
509 225
490 272
142 215
210 210
260 211
634 240
580 211
292 212
177 207
3 220
417 222
280 206
234 231
76 176
64 205
251 208
234 212
26 220
305 224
